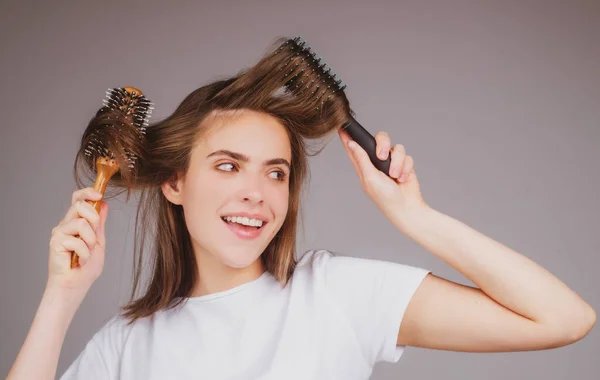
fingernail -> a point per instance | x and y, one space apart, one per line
351 145
402 177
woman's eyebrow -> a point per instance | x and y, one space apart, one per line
244 158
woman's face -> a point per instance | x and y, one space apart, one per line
235 193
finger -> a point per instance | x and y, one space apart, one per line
82 209
72 244
352 159
80 228
363 164
398 155
85 194
101 234
344 136
382 143
407 168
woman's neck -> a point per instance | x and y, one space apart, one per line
214 276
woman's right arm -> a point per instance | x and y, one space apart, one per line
66 286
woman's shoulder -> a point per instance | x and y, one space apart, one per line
118 329
314 257
368 294
115 330
334 269
315 262
327 260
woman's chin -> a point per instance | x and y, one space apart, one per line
239 261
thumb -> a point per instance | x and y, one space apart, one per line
361 159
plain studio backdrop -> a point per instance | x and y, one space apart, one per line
497 101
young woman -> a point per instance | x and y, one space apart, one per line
227 297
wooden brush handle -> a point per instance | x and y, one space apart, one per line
105 169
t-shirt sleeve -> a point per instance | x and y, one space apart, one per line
374 295
100 358
90 364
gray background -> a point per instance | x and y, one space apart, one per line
498 102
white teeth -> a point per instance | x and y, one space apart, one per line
244 220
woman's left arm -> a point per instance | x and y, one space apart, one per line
517 305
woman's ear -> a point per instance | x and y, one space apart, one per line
171 189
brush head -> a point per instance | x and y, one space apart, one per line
305 74
132 103
118 127
114 139
293 84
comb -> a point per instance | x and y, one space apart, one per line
108 144
306 75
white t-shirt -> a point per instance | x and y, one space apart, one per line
336 318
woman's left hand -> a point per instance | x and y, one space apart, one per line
398 193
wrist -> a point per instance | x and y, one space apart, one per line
63 301
413 221
407 219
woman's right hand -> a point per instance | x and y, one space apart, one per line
80 220
81 231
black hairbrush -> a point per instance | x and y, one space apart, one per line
305 75
113 140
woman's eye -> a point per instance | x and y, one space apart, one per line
278 175
229 167
226 167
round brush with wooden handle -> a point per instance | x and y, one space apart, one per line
113 140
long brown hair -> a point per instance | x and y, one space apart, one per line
167 152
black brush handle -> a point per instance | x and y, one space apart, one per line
363 138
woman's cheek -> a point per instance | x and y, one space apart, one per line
282 201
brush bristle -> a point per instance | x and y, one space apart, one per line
306 74
123 105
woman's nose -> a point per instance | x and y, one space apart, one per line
253 191
253 197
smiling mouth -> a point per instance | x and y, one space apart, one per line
243 226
